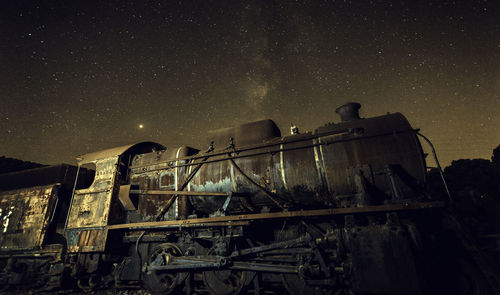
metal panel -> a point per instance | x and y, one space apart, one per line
124 197
24 217
90 208
299 170
378 142
245 134
117 151
86 240
150 207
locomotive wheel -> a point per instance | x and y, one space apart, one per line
89 283
162 282
225 282
295 285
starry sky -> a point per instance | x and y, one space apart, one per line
79 76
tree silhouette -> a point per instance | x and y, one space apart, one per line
496 155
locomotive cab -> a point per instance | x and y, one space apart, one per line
93 208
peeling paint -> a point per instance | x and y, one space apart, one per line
25 215
90 209
224 185
6 219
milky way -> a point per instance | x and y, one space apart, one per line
79 76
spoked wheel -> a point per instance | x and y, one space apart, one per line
162 282
226 282
89 283
296 285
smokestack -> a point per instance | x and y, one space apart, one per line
349 111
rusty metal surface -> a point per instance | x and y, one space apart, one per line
150 205
157 161
284 214
91 207
86 239
250 176
401 149
24 217
125 198
305 171
246 134
271 147
117 151
299 174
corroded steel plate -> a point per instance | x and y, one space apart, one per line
25 215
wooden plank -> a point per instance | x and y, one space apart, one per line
287 214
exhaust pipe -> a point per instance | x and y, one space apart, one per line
349 111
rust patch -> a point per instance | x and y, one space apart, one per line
24 217
86 240
124 197
90 209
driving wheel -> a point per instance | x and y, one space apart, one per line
225 282
161 281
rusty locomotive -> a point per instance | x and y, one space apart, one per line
341 210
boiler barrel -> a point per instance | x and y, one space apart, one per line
319 169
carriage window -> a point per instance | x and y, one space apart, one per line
86 176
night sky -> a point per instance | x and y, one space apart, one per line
79 76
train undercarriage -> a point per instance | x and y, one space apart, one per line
320 254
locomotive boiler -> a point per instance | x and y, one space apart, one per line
341 210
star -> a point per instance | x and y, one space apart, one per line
195 68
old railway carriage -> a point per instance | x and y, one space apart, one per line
33 206
341 210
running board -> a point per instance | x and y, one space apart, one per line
234 219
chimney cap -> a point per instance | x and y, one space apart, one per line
349 111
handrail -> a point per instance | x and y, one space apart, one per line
237 155
437 163
72 196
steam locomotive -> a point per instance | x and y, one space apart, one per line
341 210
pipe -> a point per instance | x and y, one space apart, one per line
437 163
